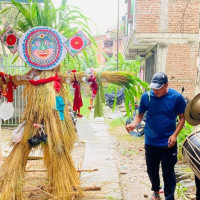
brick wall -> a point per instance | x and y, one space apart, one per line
183 16
178 21
181 67
147 16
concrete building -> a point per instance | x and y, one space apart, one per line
165 33
107 44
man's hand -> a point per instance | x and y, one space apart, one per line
130 127
138 118
172 140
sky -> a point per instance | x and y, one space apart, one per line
102 12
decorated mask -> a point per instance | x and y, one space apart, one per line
41 48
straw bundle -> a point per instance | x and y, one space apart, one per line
111 77
114 77
12 171
62 174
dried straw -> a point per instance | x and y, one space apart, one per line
40 108
111 77
62 173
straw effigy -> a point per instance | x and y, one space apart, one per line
62 173
41 101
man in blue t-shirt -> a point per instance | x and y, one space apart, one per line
162 105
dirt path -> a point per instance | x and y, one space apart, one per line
130 160
128 155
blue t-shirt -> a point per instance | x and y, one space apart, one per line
161 115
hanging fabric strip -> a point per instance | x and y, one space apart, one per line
10 90
78 103
55 78
99 99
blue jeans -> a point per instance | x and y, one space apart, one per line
168 158
197 181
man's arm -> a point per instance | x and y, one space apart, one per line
137 120
172 138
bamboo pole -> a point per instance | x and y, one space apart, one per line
44 170
86 189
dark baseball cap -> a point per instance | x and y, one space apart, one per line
158 80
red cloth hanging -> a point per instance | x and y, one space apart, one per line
10 90
7 90
93 88
78 103
55 78
93 85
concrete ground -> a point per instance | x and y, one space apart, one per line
99 154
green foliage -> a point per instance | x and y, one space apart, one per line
11 69
86 104
132 66
109 88
110 198
180 191
82 61
129 152
115 123
187 129
66 19
133 88
133 91
115 100
99 99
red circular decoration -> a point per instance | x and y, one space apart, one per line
11 39
77 42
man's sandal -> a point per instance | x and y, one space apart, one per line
155 197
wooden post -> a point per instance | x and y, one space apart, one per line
78 170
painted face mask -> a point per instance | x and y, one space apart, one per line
41 48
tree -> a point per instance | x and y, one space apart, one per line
132 66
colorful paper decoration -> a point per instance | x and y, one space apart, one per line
76 43
10 39
42 48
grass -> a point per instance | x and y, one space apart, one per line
187 169
129 145
117 128
128 152
115 123
110 198
84 109
129 138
